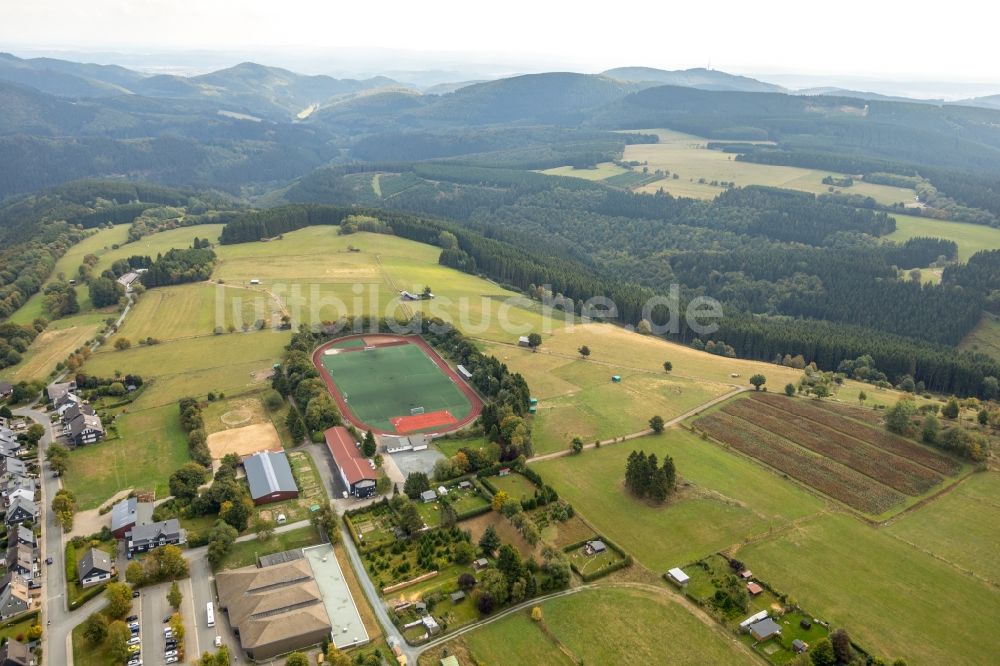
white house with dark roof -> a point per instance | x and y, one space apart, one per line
94 568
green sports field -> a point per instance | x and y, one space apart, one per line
381 383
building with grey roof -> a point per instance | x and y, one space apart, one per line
141 538
270 477
129 513
94 568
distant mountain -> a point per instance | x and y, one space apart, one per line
272 92
445 88
63 78
987 102
557 98
701 78
831 91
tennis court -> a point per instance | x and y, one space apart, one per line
384 384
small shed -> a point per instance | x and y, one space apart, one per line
523 341
450 660
428 496
420 607
457 596
595 547
442 490
746 574
504 472
480 564
616 378
678 576
754 589
799 646
532 401
465 485
532 409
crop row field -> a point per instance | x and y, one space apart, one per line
834 417
894 471
830 478
820 445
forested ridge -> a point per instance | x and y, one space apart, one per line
760 336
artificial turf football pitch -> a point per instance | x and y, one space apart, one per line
382 383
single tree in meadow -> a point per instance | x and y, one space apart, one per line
668 366
757 381
584 351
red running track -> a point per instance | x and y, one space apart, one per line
378 340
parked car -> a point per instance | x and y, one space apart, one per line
135 640
218 641
132 618
166 619
133 648
170 653
133 625
134 662
48 560
169 660
135 594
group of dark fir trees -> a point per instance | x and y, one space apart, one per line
647 478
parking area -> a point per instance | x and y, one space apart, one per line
153 610
416 461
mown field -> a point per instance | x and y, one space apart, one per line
722 500
150 446
858 464
960 526
599 172
189 310
61 338
971 238
314 274
578 399
686 155
984 338
896 600
230 363
599 627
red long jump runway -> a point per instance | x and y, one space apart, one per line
407 424
384 340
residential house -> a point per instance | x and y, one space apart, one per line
21 559
141 538
57 390
595 547
428 496
12 466
129 513
66 402
94 568
270 477
26 536
19 511
19 487
85 429
15 653
14 596
75 410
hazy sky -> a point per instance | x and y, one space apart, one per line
879 39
